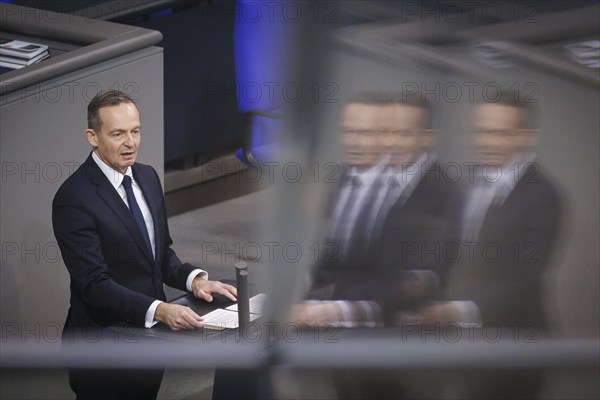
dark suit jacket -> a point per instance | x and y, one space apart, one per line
505 280
414 235
113 274
420 234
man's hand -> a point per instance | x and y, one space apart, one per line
177 317
315 315
203 289
443 313
451 312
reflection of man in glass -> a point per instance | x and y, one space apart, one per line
376 128
512 211
392 193
511 220
382 136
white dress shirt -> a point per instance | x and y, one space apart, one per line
116 179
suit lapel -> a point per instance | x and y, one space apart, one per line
110 196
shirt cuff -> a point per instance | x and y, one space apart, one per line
149 319
203 275
347 319
372 314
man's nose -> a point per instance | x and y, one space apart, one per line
129 140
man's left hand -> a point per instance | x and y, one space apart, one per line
204 289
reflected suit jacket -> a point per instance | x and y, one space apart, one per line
114 276
417 242
505 275
413 235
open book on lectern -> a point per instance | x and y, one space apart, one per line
227 318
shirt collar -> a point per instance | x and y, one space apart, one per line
114 176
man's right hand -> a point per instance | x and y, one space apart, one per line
177 317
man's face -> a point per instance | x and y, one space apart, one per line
369 132
498 137
119 138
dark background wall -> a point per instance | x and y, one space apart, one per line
201 114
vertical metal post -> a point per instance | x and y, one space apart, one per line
241 274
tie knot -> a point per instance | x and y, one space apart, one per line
126 181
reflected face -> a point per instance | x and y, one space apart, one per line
119 138
498 137
369 132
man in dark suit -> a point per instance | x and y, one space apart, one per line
390 264
110 222
522 217
385 263
511 221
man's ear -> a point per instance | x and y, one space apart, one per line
91 137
